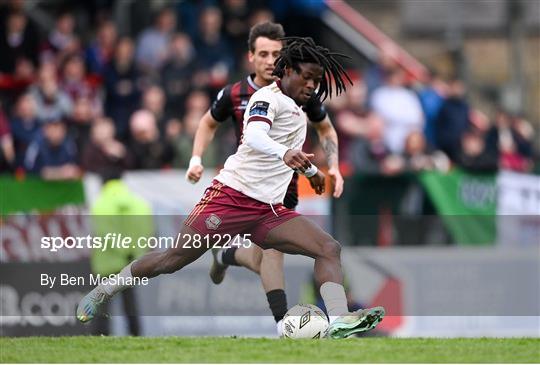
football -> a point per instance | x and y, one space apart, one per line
305 321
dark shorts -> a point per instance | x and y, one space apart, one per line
291 198
225 211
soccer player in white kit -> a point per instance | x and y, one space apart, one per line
246 196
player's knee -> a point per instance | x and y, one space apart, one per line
331 248
273 256
255 260
272 260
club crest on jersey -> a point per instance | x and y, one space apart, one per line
213 222
259 108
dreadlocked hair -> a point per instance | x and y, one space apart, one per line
304 50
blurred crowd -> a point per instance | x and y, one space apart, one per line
389 124
72 103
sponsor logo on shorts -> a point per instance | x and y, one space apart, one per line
213 222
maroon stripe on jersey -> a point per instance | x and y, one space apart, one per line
258 118
238 114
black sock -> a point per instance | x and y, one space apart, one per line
227 256
278 303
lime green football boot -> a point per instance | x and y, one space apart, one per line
89 306
360 321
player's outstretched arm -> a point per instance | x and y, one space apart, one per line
329 141
204 135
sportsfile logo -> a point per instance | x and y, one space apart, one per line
118 241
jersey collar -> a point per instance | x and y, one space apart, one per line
252 83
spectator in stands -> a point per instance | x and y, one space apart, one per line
52 154
177 74
197 104
514 136
75 84
18 41
19 46
236 15
149 150
213 50
62 40
104 153
416 153
478 150
7 151
152 45
261 15
122 88
369 152
24 126
432 97
351 118
453 120
376 74
420 156
80 121
153 100
400 110
375 195
188 13
50 100
101 51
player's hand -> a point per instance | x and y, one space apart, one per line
194 173
337 181
297 160
317 182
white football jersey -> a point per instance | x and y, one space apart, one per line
258 175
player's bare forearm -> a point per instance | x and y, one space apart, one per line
205 134
329 141
330 148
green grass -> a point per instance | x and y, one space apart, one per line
241 350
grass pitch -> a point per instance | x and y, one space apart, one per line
255 350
